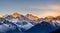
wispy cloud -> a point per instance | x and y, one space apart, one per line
52 10
48 7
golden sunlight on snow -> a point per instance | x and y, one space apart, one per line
16 14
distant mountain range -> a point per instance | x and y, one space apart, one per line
30 16
18 23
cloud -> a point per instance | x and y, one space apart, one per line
47 8
43 11
52 10
54 7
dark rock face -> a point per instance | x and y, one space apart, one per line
56 31
43 27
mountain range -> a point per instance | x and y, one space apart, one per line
18 23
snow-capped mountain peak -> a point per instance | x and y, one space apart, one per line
30 16
16 14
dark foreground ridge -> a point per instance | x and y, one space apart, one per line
56 31
43 27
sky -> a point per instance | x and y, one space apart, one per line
40 8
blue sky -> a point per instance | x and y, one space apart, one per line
40 8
